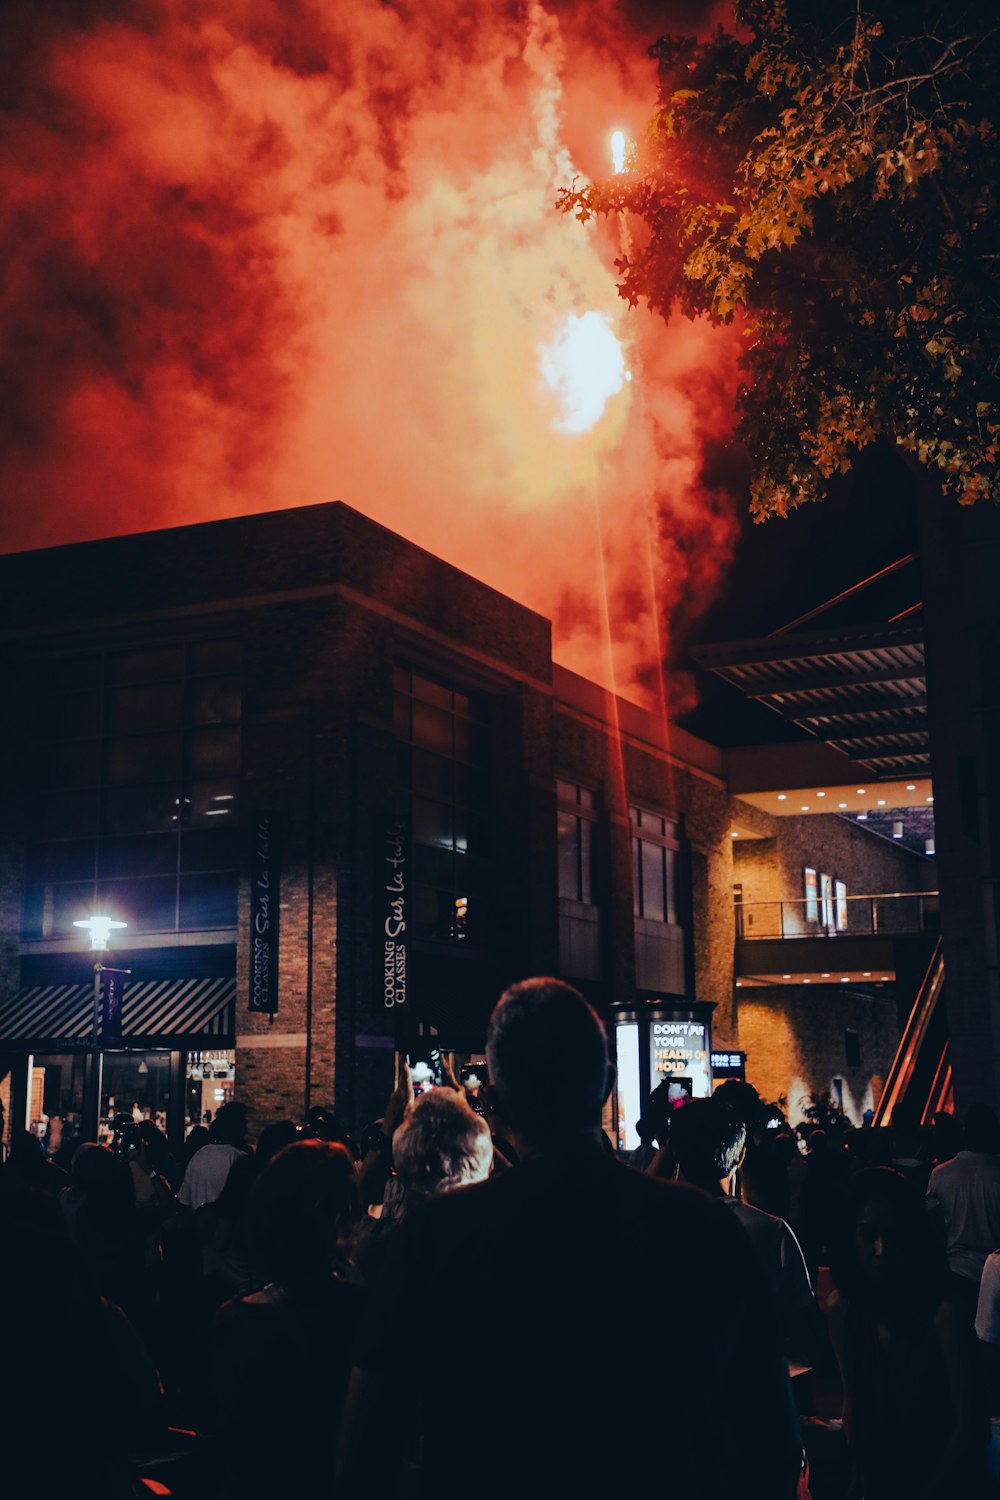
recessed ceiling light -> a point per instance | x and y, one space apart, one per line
911 786
739 984
734 834
782 796
805 807
867 974
861 791
786 976
841 804
930 799
825 974
821 794
807 981
881 802
845 981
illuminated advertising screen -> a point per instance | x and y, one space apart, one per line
629 1085
679 1050
812 903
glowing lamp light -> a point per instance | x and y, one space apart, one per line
100 929
583 366
618 150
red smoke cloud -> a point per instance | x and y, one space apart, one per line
262 254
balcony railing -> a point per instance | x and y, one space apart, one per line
886 914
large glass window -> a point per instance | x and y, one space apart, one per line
579 918
139 758
577 826
445 735
654 865
659 942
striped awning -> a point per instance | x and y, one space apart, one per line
157 1010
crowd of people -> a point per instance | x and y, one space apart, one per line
479 1292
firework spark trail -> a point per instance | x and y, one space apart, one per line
264 254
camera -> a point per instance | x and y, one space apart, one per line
124 1134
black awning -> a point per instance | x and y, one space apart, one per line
156 1011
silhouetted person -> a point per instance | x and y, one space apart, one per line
282 1355
208 1169
821 1201
441 1145
272 1139
100 1212
967 1192
908 1154
158 1156
535 1258
707 1144
51 1315
653 1128
196 1137
914 1426
323 1125
946 1137
27 1165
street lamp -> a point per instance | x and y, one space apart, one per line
100 929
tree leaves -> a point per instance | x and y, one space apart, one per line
832 177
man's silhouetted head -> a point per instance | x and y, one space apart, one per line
707 1141
548 1060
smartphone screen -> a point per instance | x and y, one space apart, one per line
426 1071
474 1078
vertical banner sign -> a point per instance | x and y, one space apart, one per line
112 987
265 895
392 909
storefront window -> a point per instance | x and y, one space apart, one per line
55 1099
209 1084
136 1084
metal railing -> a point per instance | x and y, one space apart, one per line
889 913
916 1034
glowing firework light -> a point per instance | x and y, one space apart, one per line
259 255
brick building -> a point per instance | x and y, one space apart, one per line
269 743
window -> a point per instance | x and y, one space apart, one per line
577 825
444 732
660 963
852 1047
654 866
579 918
138 778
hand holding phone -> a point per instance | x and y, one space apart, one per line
426 1070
